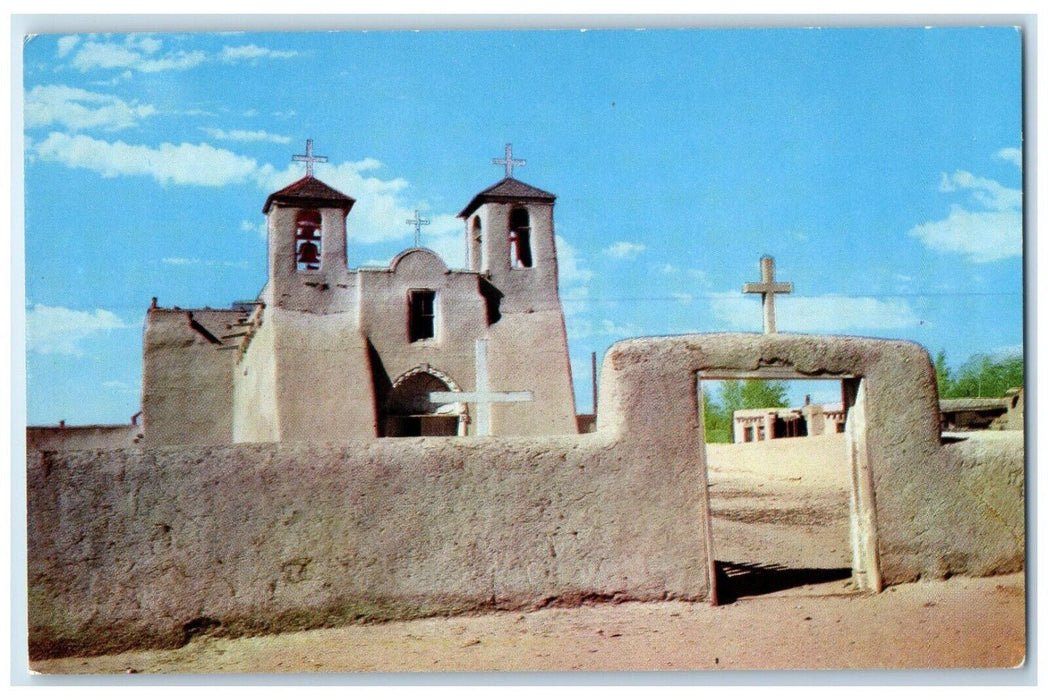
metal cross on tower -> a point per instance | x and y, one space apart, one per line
309 158
768 288
418 223
482 397
509 161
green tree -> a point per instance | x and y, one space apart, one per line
986 375
942 375
716 421
738 395
760 393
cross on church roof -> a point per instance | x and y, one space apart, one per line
768 288
309 158
509 161
418 222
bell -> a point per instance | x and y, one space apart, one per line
307 253
307 233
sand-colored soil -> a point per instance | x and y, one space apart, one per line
780 535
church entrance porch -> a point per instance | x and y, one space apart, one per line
409 411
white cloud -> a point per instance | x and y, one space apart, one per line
149 44
251 52
1007 351
624 250
825 314
694 274
242 135
258 227
982 236
66 44
574 277
1012 155
122 387
571 267
988 193
76 109
988 229
380 210
197 262
135 53
56 330
182 164
581 327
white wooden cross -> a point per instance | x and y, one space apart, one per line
482 397
418 222
509 161
309 158
768 288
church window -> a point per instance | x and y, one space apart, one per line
519 238
421 314
307 240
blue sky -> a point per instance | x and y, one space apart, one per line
881 168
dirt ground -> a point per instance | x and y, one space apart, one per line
780 537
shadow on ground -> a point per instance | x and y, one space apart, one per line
742 579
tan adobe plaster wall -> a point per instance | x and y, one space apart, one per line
83 437
529 352
460 318
255 389
187 379
132 548
526 289
138 547
323 377
940 509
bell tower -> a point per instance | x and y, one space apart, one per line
512 250
510 237
306 225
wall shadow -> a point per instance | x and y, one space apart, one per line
742 579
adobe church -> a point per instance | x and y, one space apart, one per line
328 353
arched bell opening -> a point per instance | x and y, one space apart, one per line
520 238
307 240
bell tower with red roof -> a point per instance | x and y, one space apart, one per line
510 239
306 225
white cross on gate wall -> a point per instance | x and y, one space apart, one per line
768 288
482 397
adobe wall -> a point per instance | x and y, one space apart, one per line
939 509
132 548
526 289
139 547
324 388
529 351
187 376
82 437
255 386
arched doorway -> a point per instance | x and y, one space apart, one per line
410 413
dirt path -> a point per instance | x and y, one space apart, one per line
959 623
780 532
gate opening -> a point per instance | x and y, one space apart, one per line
787 484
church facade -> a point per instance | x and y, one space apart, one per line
328 353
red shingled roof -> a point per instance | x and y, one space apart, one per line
309 192
505 191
